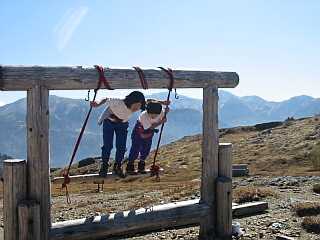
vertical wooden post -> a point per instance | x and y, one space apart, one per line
224 192
210 143
38 153
29 220
14 191
225 160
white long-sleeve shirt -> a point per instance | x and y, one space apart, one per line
117 107
146 121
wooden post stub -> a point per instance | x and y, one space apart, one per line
14 191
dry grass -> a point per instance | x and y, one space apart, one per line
315 156
311 224
307 209
282 152
250 194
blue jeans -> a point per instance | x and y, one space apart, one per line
109 129
140 147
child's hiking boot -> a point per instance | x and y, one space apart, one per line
142 167
117 169
130 169
104 169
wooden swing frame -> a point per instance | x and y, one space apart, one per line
27 201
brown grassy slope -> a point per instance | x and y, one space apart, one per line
284 151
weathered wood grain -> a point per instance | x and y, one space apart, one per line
16 78
29 220
209 160
225 160
224 192
14 191
224 207
249 209
159 217
38 153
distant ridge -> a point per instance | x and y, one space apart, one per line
185 119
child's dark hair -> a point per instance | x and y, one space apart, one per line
154 107
135 97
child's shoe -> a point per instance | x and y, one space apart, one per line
103 172
130 169
142 167
117 169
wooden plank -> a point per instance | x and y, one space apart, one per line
38 153
14 191
240 166
249 209
95 178
240 172
159 217
29 220
224 207
15 78
209 160
283 237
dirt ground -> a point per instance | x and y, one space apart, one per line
273 156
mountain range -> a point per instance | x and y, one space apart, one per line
185 119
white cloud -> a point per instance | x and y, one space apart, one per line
2 103
64 30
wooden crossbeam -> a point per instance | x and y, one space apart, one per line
249 209
240 170
161 217
95 178
19 78
186 213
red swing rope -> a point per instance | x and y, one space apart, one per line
102 80
155 169
142 77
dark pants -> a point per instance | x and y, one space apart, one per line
121 131
140 146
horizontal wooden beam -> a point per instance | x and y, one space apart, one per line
240 166
167 216
240 172
20 78
249 209
161 217
95 178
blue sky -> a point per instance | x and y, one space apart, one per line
273 45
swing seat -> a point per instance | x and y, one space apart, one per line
97 179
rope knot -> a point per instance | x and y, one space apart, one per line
102 78
66 180
155 171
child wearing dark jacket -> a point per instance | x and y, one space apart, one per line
143 132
